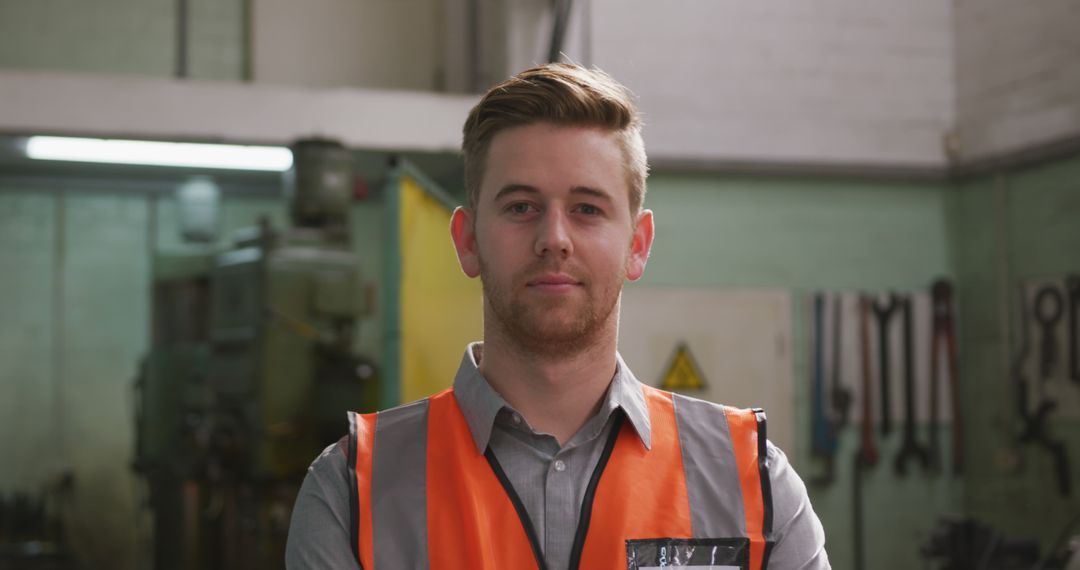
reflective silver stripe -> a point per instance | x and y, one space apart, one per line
399 488
712 476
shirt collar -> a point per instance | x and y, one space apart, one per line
480 403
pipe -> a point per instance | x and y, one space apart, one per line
181 38
561 11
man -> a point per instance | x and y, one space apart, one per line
548 452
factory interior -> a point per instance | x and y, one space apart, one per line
867 223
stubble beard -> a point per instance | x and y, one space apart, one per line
530 327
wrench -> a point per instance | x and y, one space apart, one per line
867 447
941 293
1072 286
1035 423
1049 308
824 439
840 396
883 312
910 446
867 454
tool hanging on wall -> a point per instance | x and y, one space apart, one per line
1072 288
823 443
944 332
867 446
867 455
1049 308
1034 424
883 312
910 447
839 395
823 434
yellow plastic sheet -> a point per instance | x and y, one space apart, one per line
441 308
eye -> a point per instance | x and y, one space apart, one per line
590 210
519 208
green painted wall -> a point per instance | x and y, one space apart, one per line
75 323
27 239
794 232
1006 228
810 234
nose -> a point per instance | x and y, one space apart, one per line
553 236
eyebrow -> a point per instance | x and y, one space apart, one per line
512 188
525 188
594 192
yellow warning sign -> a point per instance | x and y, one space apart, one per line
683 372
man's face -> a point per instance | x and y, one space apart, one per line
552 236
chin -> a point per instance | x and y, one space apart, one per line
558 333
557 330
561 321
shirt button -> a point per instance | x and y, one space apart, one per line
517 419
559 465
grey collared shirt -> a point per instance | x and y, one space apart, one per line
550 479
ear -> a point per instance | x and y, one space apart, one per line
640 245
463 232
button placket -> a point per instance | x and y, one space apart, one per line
561 510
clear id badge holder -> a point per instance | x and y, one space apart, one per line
690 553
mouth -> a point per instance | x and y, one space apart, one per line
553 283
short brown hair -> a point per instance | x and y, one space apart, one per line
562 94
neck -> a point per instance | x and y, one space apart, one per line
556 394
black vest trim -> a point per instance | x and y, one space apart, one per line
590 494
586 503
522 514
354 492
768 552
763 469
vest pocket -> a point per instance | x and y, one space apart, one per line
696 553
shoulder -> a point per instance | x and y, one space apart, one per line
682 400
797 532
692 410
363 428
697 414
705 428
701 419
326 474
327 479
405 414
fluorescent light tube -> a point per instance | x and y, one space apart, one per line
190 155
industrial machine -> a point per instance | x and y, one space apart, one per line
251 369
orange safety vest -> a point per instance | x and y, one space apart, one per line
636 513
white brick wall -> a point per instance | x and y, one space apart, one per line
216 44
831 81
112 36
1018 74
